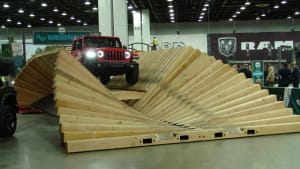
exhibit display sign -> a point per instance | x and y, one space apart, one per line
244 47
258 71
56 37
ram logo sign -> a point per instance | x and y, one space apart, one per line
227 46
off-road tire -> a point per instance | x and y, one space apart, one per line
8 120
132 76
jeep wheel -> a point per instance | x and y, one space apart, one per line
104 79
132 76
8 120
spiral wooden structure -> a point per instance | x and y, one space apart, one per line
187 96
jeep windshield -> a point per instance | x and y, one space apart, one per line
97 42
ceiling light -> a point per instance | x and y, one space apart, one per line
172 21
202 13
78 21
169 0
171 10
172 14
43 4
247 3
29 26
263 15
95 8
64 14
283 2
5 5
276 6
242 8
204 9
170 6
31 15
230 19
87 2
201 17
58 24
257 18
289 17
21 10
206 5
50 21
8 20
72 17
297 13
130 7
199 20
42 19
133 11
19 23
3 27
85 24
237 12
172 17
55 9
234 16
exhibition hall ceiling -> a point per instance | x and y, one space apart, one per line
37 13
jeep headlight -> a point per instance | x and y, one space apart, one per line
100 54
90 54
127 55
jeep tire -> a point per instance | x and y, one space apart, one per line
132 76
8 120
104 79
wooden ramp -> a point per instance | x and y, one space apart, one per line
189 97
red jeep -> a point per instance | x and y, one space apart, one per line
105 56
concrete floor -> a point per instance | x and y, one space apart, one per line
36 145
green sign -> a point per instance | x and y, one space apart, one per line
258 71
56 37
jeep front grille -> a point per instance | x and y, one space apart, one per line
113 55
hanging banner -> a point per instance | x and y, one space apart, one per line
242 47
56 37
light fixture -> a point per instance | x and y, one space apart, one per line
204 9
95 8
237 12
169 0
230 19
32 15
234 16
206 5
42 19
276 6
50 21
44 4
133 11
72 17
172 17
29 26
263 15
242 8
78 21
20 10
172 14
297 13
283 2
170 6
87 2
171 10
201 17
64 14
19 23
202 13
247 3
172 21
5 5
289 17
8 20
257 18
55 9
3 26
130 7
85 24
58 24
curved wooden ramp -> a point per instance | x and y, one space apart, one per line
190 97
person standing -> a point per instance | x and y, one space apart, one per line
270 79
284 76
155 43
245 69
295 75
